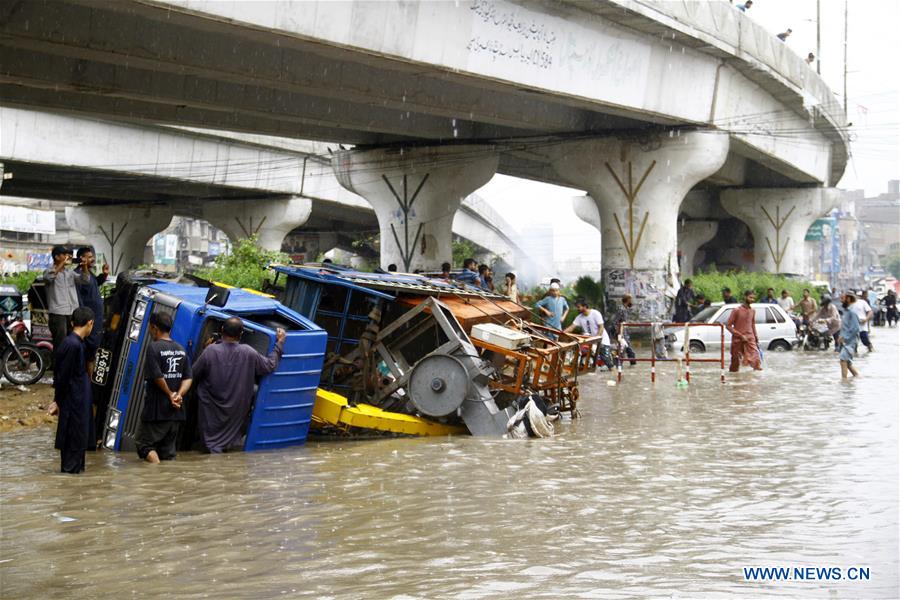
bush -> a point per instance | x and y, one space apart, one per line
710 284
22 280
245 267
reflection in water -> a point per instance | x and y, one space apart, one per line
655 491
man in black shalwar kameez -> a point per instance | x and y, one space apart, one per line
224 376
72 394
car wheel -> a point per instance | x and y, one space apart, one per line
779 346
697 346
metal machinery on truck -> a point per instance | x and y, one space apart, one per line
409 343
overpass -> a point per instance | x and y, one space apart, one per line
131 179
637 102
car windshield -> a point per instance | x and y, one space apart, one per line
705 314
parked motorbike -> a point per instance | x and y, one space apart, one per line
22 362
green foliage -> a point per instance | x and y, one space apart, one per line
245 267
710 284
462 249
892 265
22 280
591 290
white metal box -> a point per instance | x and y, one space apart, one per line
498 335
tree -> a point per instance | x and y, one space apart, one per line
892 264
246 266
463 249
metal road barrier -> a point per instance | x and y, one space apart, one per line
668 327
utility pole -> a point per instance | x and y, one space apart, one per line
819 37
845 59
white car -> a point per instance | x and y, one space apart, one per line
775 328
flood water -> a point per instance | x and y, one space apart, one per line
655 492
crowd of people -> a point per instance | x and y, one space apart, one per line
224 375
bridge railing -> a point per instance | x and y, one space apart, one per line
728 30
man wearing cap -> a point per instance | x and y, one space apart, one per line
553 307
62 297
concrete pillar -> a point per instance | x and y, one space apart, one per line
119 232
692 235
415 193
269 220
638 184
779 219
586 209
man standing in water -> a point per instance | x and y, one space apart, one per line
744 341
168 374
553 308
226 373
72 395
849 337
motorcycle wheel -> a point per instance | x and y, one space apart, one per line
24 374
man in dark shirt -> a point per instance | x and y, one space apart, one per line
226 373
88 287
72 395
727 298
168 373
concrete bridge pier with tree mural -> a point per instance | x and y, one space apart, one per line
638 182
779 219
416 192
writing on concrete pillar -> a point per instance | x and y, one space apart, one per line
406 248
778 251
631 192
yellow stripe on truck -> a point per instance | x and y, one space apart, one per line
333 409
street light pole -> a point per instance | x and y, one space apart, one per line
819 37
845 59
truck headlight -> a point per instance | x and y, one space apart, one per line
134 331
140 309
110 441
112 419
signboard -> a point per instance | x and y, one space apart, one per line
165 249
171 248
816 231
39 262
213 249
28 220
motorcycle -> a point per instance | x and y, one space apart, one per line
816 336
22 362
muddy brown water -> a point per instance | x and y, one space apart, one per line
654 492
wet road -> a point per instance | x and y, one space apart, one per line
654 492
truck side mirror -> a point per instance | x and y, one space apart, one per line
217 296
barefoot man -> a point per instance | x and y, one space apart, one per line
849 336
744 341
168 373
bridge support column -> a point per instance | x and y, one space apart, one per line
692 235
415 193
269 220
119 232
638 185
586 209
778 219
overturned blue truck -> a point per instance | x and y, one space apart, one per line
283 406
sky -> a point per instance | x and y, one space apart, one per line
873 108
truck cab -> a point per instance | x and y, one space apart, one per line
283 405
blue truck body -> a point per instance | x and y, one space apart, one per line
284 401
